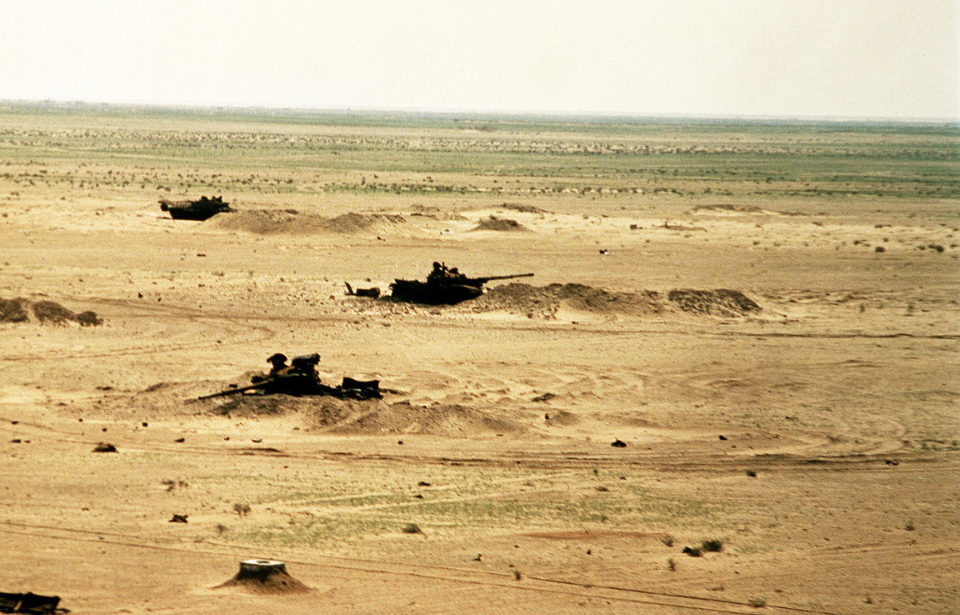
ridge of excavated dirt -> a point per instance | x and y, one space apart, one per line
293 222
542 301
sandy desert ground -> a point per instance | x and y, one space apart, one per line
814 441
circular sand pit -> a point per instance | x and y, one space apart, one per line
264 576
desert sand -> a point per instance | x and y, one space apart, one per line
801 428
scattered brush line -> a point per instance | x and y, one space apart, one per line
878 336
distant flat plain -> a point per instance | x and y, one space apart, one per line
815 440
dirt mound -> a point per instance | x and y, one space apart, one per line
265 577
373 416
436 419
436 213
545 301
499 224
562 418
526 209
258 405
319 410
589 299
720 302
355 223
292 222
18 310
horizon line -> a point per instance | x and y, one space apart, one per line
588 115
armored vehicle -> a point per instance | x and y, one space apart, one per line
300 379
444 286
203 208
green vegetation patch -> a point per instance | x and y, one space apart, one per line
339 511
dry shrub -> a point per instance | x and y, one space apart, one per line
13 310
53 312
18 310
89 319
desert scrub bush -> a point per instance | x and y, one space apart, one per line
171 484
757 603
411 528
242 509
706 546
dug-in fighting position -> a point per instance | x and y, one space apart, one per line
300 378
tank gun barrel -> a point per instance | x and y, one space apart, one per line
258 385
500 277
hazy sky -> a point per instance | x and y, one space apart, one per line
794 58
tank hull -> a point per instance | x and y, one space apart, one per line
199 210
426 293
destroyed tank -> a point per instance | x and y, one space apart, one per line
203 208
300 379
444 287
